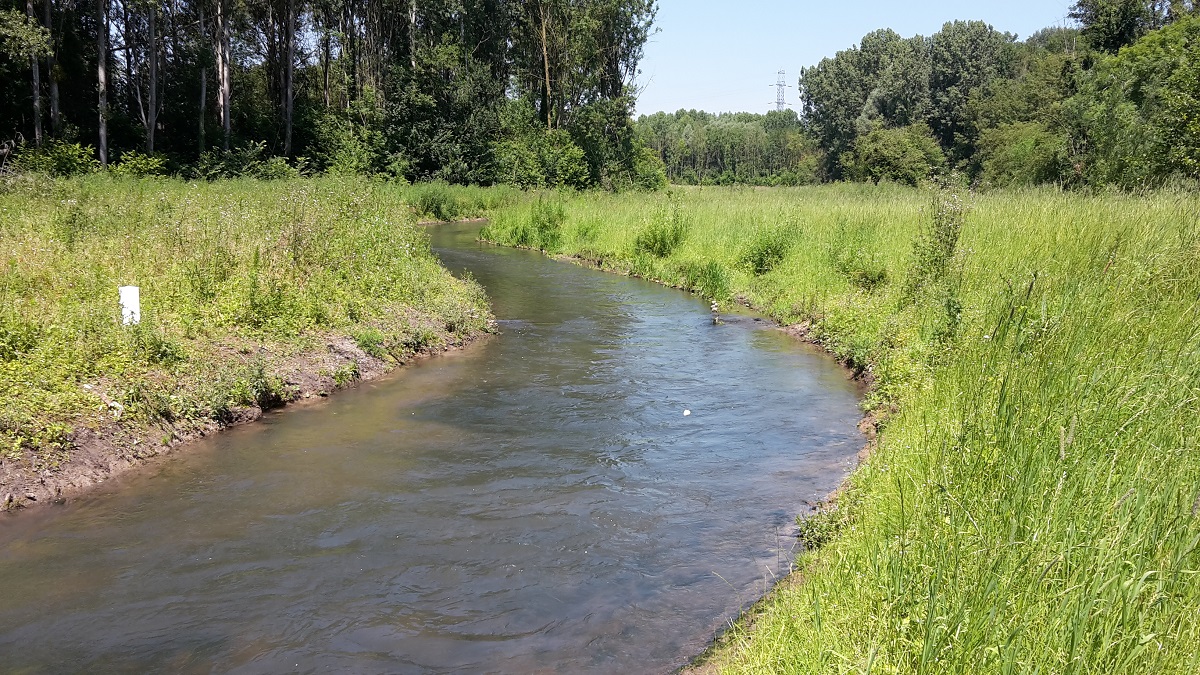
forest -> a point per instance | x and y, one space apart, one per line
1113 101
535 94
540 94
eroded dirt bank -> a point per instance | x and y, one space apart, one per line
113 443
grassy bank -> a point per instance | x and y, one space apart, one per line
253 293
1033 504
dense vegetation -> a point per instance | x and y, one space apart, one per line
238 279
483 91
1032 503
1114 102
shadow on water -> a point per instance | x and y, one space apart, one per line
537 502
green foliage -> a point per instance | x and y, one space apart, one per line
57 158
1022 154
709 278
700 148
909 156
135 164
247 161
936 243
22 36
665 232
346 374
767 249
1137 110
546 223
853 255
237 278
530 156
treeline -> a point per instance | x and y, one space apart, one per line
533 92
700 148
1113 101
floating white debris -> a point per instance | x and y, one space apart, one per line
687 412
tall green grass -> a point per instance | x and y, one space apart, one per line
1033 504
236 277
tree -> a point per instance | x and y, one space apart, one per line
966 57
1109 25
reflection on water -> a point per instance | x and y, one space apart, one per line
535 503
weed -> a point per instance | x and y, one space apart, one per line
372 341
665 232
767 249
346 374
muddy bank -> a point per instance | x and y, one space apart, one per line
111 444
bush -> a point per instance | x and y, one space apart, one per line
936 243
709 279
909 156
852 255
547 221
1022 153
135 164
436 200
768 248
58 158
665 233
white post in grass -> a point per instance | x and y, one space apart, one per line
131 305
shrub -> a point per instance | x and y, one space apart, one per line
709 279
909 156
665 232
854 257
768 248
135 164
937 242
547 220
58 158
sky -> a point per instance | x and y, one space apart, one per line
724 56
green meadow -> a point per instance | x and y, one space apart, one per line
1033 500
237 279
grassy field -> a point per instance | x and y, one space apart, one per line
1033 504
238 280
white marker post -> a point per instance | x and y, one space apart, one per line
131 305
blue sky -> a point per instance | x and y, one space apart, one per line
723 56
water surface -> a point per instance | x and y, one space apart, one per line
538 502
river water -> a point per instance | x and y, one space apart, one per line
538 502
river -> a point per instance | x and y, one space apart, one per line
537 502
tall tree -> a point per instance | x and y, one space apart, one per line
102 30
37 83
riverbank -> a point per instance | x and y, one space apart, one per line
253 295
1032 502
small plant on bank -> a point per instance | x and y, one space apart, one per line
547 221
936 243
665 233
346 374
372 341
768 248
710 279
855 258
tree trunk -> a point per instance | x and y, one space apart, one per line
412 33
289 35
203 87
55 115
546 105
224 68
326 57
152 57
102 76
37 84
